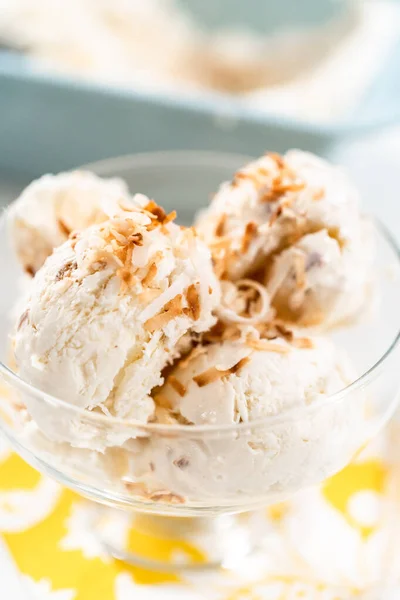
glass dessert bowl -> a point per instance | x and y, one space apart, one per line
191 480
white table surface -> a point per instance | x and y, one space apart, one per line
374 164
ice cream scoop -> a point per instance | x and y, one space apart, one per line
316 280
259 395
250 378
108 309
50 208
265 212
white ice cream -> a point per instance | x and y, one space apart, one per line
316 280
120 323
107 311
241 382
273 377
51 207
269 207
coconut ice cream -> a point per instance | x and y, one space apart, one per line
316 280
265 216
266 402
108 309
51 207
168 349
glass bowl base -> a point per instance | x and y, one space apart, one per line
179 543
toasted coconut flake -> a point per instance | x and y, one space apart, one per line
213 374
177 385
283 331
276 214
148 295
266 346
315 319
162 403
126 272
209 376
127 278
220 228
318 194
252 175
63 227
299 264
157 211
170 311
280 189
303 342
190 233
193 300
23 318
136 239
277 158
270 195
245 301
19 406
106 255
296 235
266 333
151 273
98 265
66 270
221 243
29 270
238 177
74 237
154 223
158 216
170 217
239 365
118 249
118 236
219 268
249 234
128 256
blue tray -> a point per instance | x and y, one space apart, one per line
51 123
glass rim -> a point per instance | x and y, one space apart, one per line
201 158
167 158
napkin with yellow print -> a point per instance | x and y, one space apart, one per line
336 542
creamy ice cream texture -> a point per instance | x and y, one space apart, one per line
50 208
241 382
295 222
317 280
244 380
122 321
254 384
109 308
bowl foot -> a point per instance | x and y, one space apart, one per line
180 543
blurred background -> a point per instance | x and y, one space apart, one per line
88 79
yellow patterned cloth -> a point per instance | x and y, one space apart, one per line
336 542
